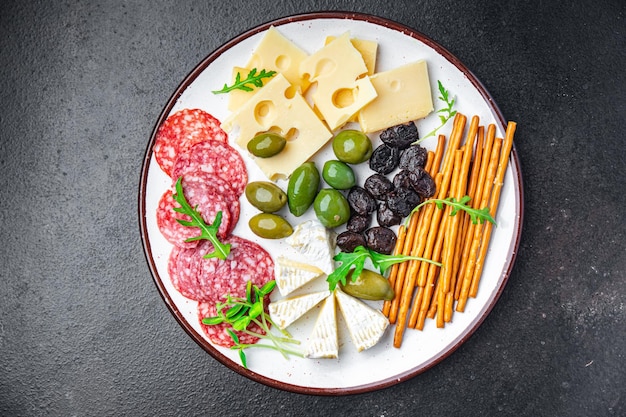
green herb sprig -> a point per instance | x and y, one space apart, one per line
446 113
252 78
208 232
240 312
355 260
476 215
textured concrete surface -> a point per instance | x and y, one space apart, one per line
83 330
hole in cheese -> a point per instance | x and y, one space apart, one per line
324 67
395 85
292 134
344 97
263 110
283 62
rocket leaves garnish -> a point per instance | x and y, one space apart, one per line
476 215
252 78
446 113
240 312
355 261
208 232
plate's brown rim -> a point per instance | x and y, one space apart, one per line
514 162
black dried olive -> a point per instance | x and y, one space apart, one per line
378 186
384 159
400 136
403 179
402 200
413 157
381 239
358 223
361 201
347 241
425 185
386 217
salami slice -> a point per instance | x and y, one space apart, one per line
202 180
218 333
209 201
216 158
180 131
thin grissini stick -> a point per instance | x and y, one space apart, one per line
478 228
409 286
404 246
493 206
394 268
476 202
439 151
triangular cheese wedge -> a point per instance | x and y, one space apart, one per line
313 241
365 324
286 311
323 342
291 275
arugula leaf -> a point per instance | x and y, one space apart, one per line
446 113
208 232
252 78
355 261
240 312
476 215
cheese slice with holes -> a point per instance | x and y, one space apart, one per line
403 95
315 243
365 324
336 69
323 341
277 107
291 275
284 312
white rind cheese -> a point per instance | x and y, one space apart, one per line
403 95
336 68
313 241
291 275
323 341
286 311
365 324
277 107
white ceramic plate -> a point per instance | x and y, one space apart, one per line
382 365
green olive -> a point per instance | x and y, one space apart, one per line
369 285
338 175
270 226
331 208
302 188
352 146
265 145
266 196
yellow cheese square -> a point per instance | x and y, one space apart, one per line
336 69
236 98
277 107
277 53
368 50
403 95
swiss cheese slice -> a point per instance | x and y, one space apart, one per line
276 107
365 324
291 275
336 69
314 242
323 341
284 312
237 97
368 50
403 95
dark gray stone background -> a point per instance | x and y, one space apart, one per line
83 330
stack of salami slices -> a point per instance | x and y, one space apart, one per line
191 145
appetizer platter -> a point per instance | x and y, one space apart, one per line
331 203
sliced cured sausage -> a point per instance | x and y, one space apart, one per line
218 333
216 158
181 130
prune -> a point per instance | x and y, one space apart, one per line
347 241
400 136
361 201
425 185
385 216
402 200
413 157
378 186
358 223
381 239
384 159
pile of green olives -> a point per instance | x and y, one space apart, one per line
269 198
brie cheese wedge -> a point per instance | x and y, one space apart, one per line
323 342
365 324
313 241
291 275
286 311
